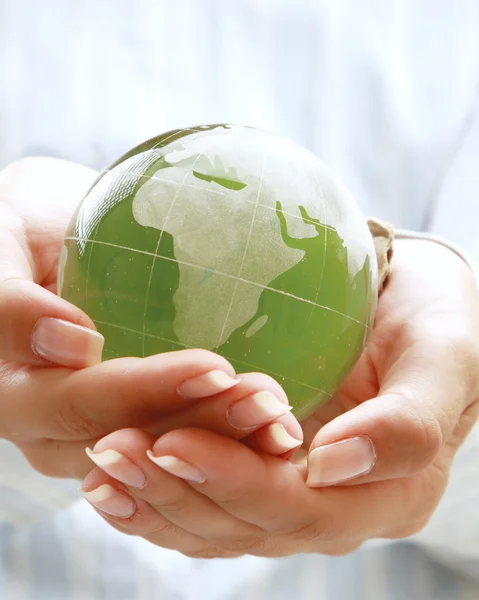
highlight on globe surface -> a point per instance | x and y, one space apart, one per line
232 239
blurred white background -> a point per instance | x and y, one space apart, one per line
384 92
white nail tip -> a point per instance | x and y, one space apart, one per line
220 380
107 457
100 494
163 461
282 438
177 467
268 402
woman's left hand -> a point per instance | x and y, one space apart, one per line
379 453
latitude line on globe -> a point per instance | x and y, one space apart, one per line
127 172
178 191
241 362
240 279
221 194
161 144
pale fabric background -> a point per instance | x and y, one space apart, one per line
386 92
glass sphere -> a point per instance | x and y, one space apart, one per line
232 239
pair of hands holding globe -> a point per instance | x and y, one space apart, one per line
194 458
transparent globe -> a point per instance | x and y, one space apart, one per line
232 239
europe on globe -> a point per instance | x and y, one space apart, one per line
228 238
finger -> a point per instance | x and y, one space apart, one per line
37 327
123 456
85 404
280 438
256 401
276 438
271 493
262 490
402 431
135 516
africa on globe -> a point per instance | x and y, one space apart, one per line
228 238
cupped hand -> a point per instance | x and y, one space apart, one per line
378 455
55 396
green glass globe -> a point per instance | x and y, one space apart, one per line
232 239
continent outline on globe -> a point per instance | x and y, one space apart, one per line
233 239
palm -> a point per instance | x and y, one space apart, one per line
364 380
361 384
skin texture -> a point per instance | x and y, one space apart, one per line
413 394
51 412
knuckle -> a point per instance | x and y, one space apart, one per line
420 428
173 504
160 528
209 551
236 497
278 547
314 531
73 424
241 545
424 429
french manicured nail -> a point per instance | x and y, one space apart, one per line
282 439
341 461
206 384
256 410
177 467
64 343
111 501
119 467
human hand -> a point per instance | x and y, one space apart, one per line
406 407
55 399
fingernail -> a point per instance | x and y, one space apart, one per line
341 461
111 501
282 439
119 467
256 410
64 343
206 384
177 467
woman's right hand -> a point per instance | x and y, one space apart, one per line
56 398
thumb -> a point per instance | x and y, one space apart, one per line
403 429
36 326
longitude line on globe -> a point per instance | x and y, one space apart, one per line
323 266
243 259
219 273
178 191
185 346
128 170
222 194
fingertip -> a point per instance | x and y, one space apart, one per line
274 439
207 384
38 327
340 461
66 344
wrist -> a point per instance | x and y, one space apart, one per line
423 242
387 240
